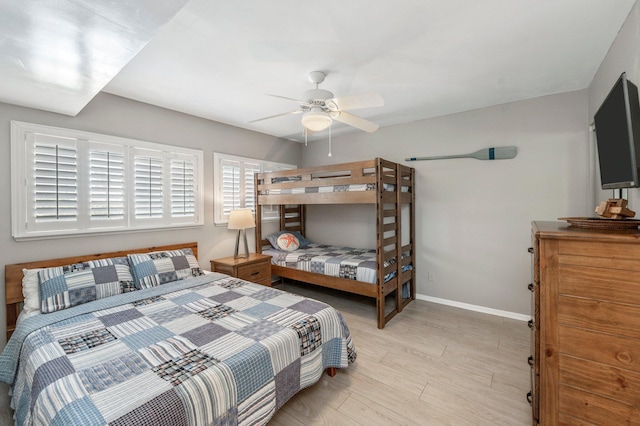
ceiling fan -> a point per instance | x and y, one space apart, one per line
320 107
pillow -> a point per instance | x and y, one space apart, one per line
31 290
288 242
302 241
161 267
66 286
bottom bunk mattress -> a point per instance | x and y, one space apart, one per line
343 262
205 350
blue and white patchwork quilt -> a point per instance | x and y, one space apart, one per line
207 350
343 262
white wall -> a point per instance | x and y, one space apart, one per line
114 115
473 217
623 56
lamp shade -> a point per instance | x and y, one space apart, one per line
241 219
316 119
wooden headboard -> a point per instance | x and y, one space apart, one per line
13 275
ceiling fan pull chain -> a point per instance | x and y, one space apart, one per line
329 155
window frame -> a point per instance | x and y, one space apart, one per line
219 217
23 178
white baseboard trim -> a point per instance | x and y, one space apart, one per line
475 308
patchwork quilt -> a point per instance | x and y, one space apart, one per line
343 262
207 350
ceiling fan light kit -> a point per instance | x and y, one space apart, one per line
316 119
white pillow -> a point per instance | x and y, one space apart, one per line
31 290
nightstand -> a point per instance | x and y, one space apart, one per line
255 268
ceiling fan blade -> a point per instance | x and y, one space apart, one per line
277 115
291 99
355 121
365 100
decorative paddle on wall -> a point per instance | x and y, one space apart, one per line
496 153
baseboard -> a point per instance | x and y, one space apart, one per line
476 308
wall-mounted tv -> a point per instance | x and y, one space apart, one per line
617 123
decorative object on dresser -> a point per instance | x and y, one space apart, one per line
614 208
588 317
255 268
388 187
241 219
601 223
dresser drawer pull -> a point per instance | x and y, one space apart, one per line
530 287
530 250
530 324
530 360
255 273
529 397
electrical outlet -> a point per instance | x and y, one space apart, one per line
430 276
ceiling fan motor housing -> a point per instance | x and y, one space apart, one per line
317 96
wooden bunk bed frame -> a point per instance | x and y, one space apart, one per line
388 203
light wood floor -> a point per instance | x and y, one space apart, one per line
431 365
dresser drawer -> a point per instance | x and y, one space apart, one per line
255 272
614 318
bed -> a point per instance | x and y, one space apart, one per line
184 348
389 187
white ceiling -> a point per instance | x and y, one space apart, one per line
219 59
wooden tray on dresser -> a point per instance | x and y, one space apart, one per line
601 223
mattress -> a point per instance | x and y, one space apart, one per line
210 349
343 262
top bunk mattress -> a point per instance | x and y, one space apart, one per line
357 187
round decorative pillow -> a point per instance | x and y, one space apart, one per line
288 242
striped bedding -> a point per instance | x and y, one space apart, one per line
354 187
208 350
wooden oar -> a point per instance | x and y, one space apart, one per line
497 153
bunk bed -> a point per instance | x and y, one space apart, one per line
389 186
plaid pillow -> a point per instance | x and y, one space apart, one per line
65 286
161 267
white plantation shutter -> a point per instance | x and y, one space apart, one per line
249 185
55 179
106 184
69 182
230 186
148 187
235 185
183 188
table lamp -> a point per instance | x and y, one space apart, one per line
241 220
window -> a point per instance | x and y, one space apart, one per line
71 182
235 185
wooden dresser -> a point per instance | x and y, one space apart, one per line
255 268
588 317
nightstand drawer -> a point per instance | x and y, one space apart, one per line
256 272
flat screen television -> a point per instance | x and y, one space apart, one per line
617 123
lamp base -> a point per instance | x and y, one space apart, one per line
246 246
